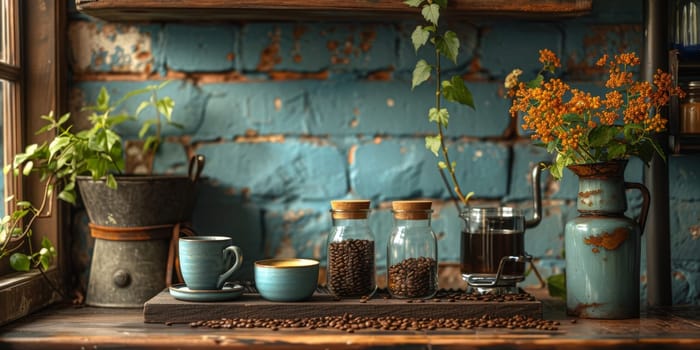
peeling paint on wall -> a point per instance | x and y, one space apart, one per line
113 47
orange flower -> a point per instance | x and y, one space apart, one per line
549 60
563 118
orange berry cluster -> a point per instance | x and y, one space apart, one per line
555 112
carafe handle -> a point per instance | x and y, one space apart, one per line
536 197
645 203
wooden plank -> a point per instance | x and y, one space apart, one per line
164 308
208 10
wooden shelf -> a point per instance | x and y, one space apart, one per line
163 308
682 71
224 10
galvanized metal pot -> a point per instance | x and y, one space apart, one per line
134 227
603 246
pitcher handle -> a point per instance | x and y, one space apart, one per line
645 203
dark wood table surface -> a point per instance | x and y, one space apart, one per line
69 327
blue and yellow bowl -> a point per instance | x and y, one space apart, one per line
287 279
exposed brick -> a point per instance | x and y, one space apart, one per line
98 46
268 107
299 229
185 43
404 168
286 170
684 173
525 157
312 47
686 282
218 212
546 240
685 228
510 45
341 107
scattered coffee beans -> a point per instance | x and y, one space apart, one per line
413 278
351 267
350 323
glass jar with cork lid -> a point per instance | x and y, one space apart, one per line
412 254
351 269
690 109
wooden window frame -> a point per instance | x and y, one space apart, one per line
41 69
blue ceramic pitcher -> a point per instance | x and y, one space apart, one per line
603 246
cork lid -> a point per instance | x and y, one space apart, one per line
412 210
350 209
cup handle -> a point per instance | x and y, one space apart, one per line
229 253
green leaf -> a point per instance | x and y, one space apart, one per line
58 144
537 81
600 135
421 73
67 196
27 168
113 139
64 118
617 150
433 144
455 90
413 3
431 13
572 118
557 285
24 204
20 262
165 107
143 105
441 117
145 126
419 37
111 181
45 261
448 45
103 100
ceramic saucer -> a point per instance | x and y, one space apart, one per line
229 292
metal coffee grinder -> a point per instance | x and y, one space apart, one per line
493 257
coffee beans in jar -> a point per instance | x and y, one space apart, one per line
412 251
351 269
413 277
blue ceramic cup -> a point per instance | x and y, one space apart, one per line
206 262
286 279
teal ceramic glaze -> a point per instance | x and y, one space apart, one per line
230 291
286 279
603 246
206 262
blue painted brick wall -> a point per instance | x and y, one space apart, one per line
291 115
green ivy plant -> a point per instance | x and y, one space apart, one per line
97 152
446 44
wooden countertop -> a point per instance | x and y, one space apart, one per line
68 327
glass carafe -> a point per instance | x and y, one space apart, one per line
493 249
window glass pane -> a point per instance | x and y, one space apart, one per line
2 148
3 31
